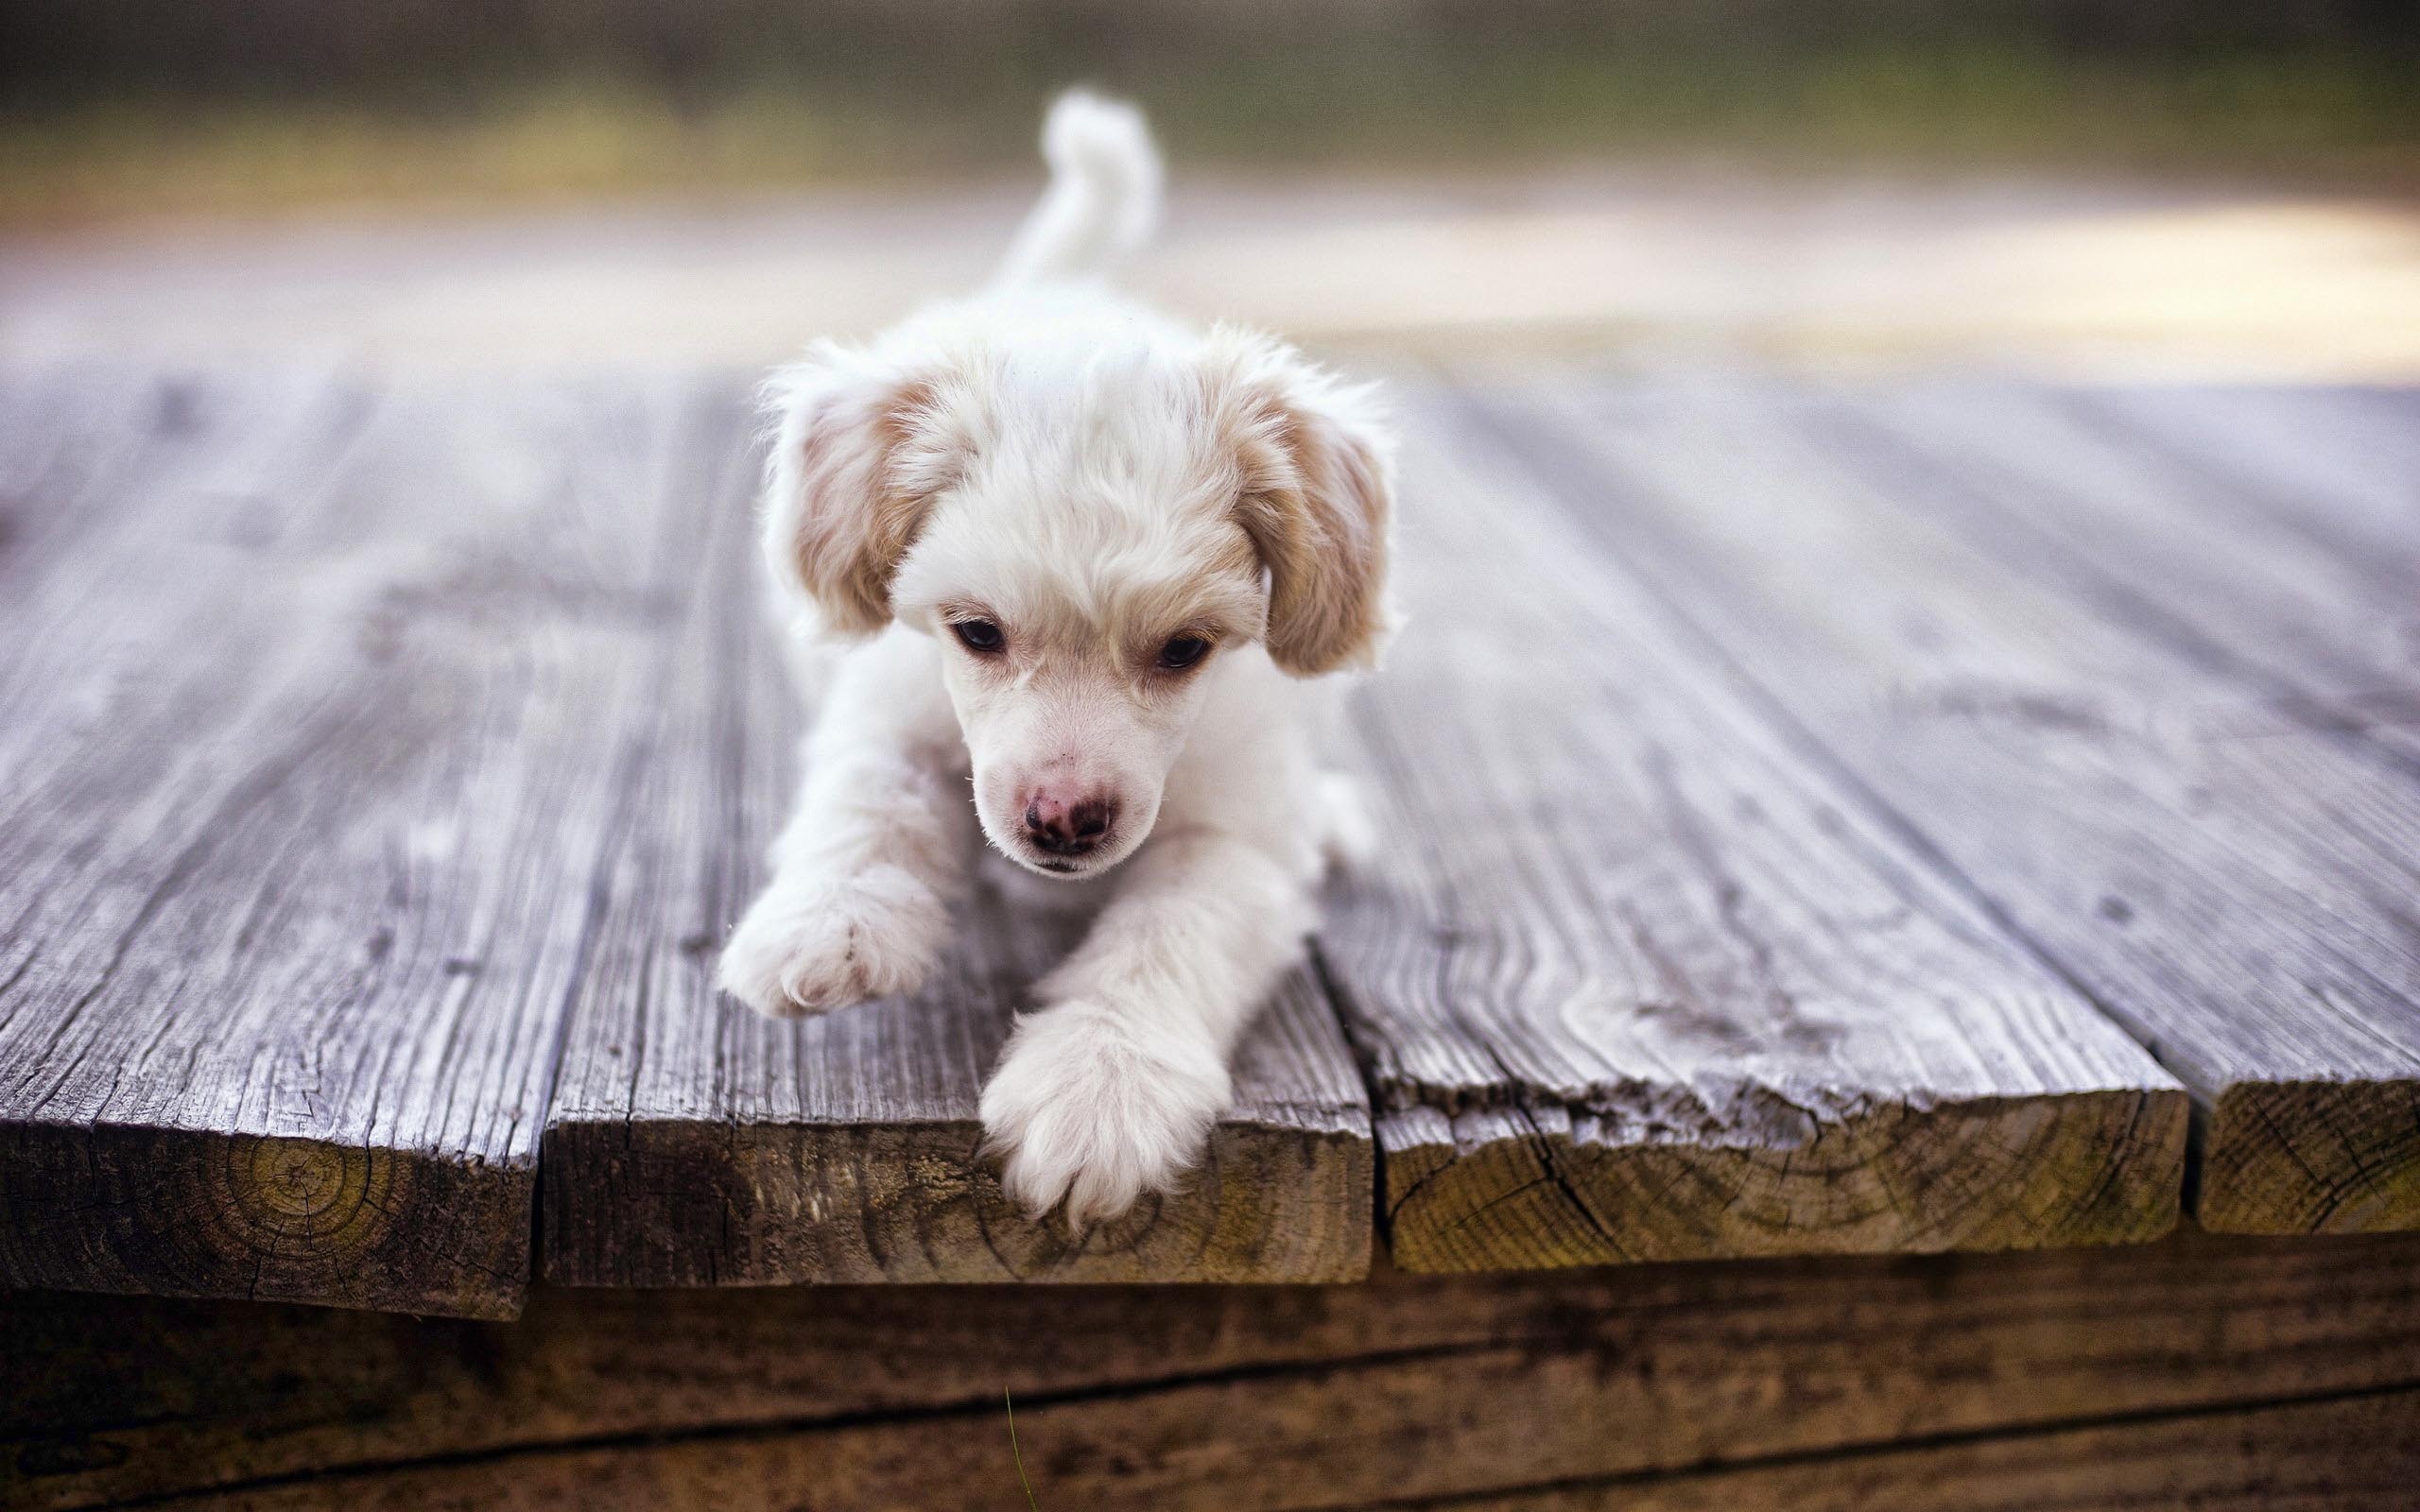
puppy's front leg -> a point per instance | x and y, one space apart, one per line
1110 1089
873 851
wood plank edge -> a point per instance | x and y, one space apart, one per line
1529 1189
138 1209
2312 1157
654 1203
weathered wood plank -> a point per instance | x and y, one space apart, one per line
691 1142
1634 980
310 751
2336 463
1212 1397
2227 877
2280 569
2339 467
69 438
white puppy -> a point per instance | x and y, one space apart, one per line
1048 540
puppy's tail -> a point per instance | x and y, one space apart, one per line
1348 835
1104 194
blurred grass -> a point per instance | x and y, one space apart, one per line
2321 117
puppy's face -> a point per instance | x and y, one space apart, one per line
1091 546
1075 689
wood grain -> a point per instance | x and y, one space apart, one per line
2226 875
75 445
2335 464
1225 1398
2338 467
2269 556
691 1142
2359 1452
1635 980
309 742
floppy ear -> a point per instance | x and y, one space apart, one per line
1317 498
859 452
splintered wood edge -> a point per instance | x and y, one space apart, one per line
1285 1197
176 1212
1521 1188
2312 1157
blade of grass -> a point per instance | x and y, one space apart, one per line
1017 1454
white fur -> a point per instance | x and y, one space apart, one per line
1054 459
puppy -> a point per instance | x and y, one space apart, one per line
1048 540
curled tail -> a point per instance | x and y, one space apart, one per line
1104 194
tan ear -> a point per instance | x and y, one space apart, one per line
860 453
1317 499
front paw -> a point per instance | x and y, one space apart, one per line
810 945
1087 1108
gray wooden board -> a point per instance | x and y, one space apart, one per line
2255 552
2229 878
309 745
2339 466
70 442
692 1143
1635 979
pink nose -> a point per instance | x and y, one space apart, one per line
1062 829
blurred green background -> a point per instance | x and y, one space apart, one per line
119 108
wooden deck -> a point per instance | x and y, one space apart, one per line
1956 815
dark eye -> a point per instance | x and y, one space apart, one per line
1182 652
981 637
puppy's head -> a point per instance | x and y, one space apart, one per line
1094 537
